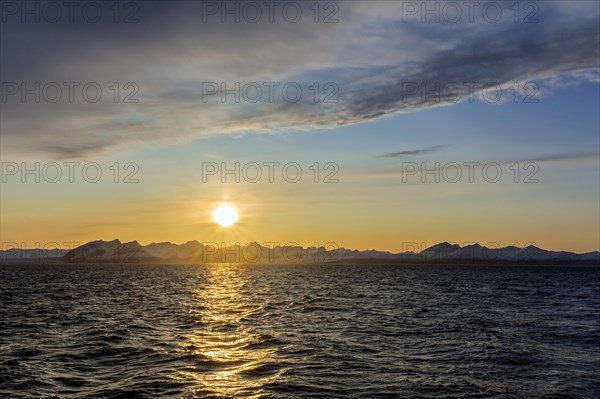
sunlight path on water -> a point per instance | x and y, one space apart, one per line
236 360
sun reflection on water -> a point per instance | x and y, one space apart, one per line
236 359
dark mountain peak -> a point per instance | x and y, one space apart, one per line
475 246
442 247
509 248
131 245
100 242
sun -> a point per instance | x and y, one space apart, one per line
225 215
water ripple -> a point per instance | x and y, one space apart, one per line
227 331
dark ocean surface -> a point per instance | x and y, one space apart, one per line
299 331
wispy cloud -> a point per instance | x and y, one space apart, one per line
568 156
420 151
438 166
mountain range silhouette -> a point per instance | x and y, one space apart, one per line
116 251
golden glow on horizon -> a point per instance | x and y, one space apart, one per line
225 215
346 214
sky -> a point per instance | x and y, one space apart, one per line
427 122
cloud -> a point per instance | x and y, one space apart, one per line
433 166
420 151
377 64
568 156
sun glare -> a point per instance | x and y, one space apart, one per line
225 215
